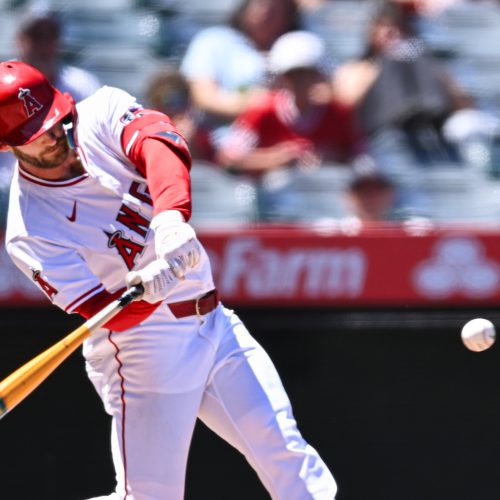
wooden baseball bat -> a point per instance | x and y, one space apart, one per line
22 382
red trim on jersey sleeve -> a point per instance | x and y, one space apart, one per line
161 154
132 315
80 299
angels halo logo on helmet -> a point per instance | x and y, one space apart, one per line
29 104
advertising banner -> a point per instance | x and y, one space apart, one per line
293 266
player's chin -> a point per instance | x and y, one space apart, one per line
56 158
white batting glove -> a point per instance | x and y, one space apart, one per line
157 279
176 242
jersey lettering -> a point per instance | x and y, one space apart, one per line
44 285
127 248
133 220
31 105
141 192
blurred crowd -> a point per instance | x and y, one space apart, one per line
297 132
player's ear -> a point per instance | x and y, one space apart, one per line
4 147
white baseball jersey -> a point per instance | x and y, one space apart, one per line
80 236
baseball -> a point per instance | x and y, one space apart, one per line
478 334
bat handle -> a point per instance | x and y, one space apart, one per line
114 307
134 292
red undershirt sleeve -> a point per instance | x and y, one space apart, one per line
167 176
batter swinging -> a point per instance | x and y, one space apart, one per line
100 201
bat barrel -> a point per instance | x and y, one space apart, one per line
28 377
15 387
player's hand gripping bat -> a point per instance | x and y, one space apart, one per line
18 385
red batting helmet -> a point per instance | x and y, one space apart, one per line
29 104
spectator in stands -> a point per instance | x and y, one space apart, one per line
310 5
168 92
429 7
39 44
297 124
371 194
400 90
372 197
226 65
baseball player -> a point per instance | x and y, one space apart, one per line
100 201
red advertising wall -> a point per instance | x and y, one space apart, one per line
291 266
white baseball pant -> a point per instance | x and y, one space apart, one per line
157 378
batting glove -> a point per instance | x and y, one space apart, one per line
176 242
157 279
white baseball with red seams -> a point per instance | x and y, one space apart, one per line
478 334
